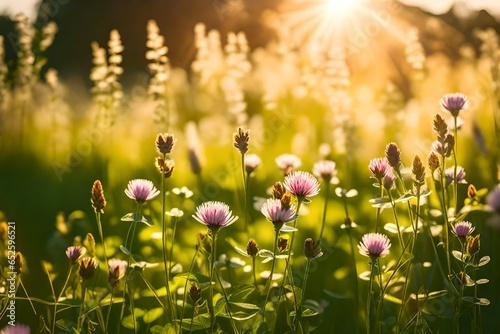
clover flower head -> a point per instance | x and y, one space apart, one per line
389 179
379 167
288 163
276 213
252 161
393 155
449 175
301 184
17 329
454 103
88 265
493 199
326 170
462 229
214 214
117 269
75 253
374 245
141 190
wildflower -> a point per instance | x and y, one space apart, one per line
449 175
389 180
348 223
379 167
444 148
312 250
471 191
433 162
374 245
18 263
393 155
419 171
16 329
282 244
75 253
288 163
165 167
98 201
302 184
165 143
252 161
194 292
277 214
473 245
175 212
252 248
117 269
454 103
493 199
462 230
441 127
278 190
204 242
214 214
325 170
88 265
241 139
194 162
184 192
141 190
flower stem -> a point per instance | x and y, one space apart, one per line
270 278
393 204
455 167
369 298
355 274
298 314
59 297
377 222
191 267
109 308
99 226
325 206
81 316
211 295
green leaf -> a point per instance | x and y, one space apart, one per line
246 306
393 299
483 261
241 292
128 322
482 281
265 253
406 197
152 315
201 321
125 250
458 255
483 302
436 294
65 325
308 313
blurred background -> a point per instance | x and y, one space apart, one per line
338 83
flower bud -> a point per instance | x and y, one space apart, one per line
98 201
194 292
252 248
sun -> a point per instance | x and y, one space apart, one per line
340 7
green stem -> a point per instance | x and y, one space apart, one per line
393 205
245 189
81 318
59 297
380 299
298 314
253 271
455 181
109 308
212 269
378 209
325 206
445 216
356 287
151 288
99 226
191 267
228 307
369 298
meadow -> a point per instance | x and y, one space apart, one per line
307 186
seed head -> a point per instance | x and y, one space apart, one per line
88 265
165 167
433 162
418 171
241 139
278 190
165 143
441 127
393 155
98 201
473 245
194 292
252 248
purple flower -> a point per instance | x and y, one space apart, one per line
75 253
17 329
449 172
288 162
117 269
454 103
325 170
301 184
379 167
374 245
141 190
276 213
214 214
462 230
389 179
493 199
